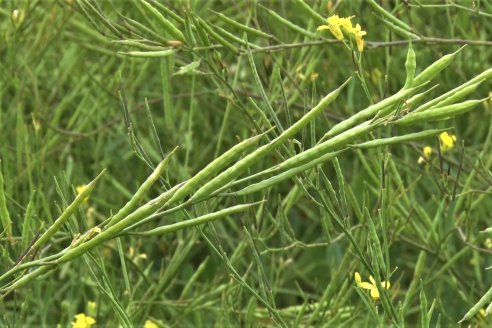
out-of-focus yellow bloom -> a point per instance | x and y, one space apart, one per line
17 17
358 34
150 324
83 321
488 243
427 152
371 286
447 141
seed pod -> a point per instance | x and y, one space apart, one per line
285 175
479 305
241 166
137 197
458 96
214 167
240 26
482 76
439 113
67 213
173 30
430 72
329 145
369 112
197 221
148 54
410 66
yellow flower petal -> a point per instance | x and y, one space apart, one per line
83 321
322 27
366 285
371 279
375 294
358 279
386 284
150 324
447 141
427 152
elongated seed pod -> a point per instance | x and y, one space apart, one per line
216 36
168 26
435 68
458 96
112 231
327 146
238 168
67 212
439 113
476 308
266 183
410 66
147 54
307 8
199 220
288 23
369 112
482 76
214 167
137 197
419 96
240 26
398 139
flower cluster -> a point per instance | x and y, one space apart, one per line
83 321
446 142
338 25
371 286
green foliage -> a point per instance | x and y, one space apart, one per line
252 164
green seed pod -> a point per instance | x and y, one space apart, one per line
398 139
137 197
240 26
148 54
241 166
67 213
410 66
458 96
214 167
369 112
479 305
168 26
197 221
482 76
285 175
430 72
440 113
329 145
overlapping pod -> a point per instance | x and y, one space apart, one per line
385 104
137 197
266 183
241 166
323 148
215 166
440 113
67 213
430 72
199 220
482 76
166 24
110 232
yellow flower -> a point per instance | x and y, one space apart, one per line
488 243
427 152
447 141
83 321
150 324
358 34
334 27
371 286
